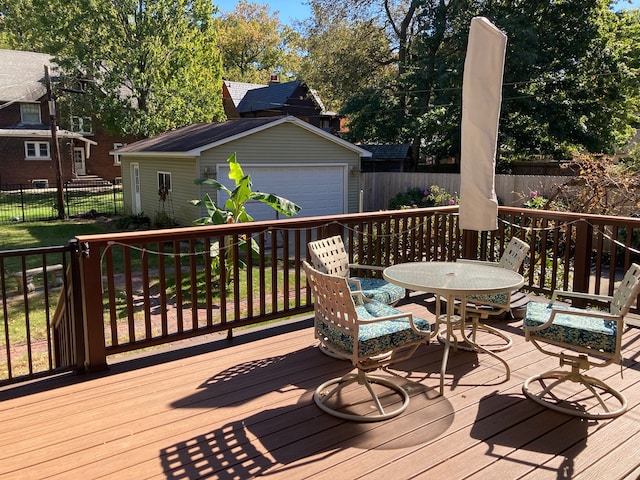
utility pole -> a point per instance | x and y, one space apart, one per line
55 152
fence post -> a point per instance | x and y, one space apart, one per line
91 287
22 203
582 257
66 203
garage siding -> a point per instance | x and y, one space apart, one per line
288 143
183 173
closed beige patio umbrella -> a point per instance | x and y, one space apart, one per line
481 100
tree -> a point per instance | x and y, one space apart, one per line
255 45
147 66
345 54
570 75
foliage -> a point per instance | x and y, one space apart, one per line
255 45
565 89
146 67
420 198
602 186
536 202
346 54
138 221
234 211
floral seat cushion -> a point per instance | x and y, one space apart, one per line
379 290
488 298
378 337
590 332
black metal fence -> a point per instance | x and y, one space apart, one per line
25 203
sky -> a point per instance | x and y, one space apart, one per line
292 10
289 10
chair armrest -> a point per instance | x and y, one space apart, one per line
580 295
366 267
395 317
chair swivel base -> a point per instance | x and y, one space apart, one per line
504 341
333 388
606 402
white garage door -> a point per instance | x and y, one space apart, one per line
319 190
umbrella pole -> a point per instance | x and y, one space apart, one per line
470 244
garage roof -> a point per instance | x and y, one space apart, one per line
194 139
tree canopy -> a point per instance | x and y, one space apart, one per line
254 44
147 65
570 83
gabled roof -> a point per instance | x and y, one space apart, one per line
238 90
22 75
192 140
388 152
273 96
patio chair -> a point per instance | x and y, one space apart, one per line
363 331
482 307
587 338
329 256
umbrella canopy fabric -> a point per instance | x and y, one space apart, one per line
481 99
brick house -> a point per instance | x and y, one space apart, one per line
26 150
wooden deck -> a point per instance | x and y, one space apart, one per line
210 409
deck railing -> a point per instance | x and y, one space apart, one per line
140 289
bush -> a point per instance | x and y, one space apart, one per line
134 222
420 198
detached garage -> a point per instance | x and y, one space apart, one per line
283 155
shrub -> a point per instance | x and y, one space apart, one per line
418 198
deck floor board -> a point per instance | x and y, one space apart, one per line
243 409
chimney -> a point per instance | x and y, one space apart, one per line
273 79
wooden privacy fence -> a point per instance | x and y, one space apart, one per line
512 190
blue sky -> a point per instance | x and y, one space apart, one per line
291 10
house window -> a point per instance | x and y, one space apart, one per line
116 157
81 124
164 182
30 113
37 150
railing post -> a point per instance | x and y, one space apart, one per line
76 306
582 257
93 323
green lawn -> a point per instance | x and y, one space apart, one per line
46 234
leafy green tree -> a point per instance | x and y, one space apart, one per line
570 75
345 53
147 66
255 45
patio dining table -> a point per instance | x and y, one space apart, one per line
455 281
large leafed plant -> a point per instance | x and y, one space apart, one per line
234 211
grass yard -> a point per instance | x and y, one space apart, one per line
27 205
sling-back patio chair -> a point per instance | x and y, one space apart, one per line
587 338
480 308
371 335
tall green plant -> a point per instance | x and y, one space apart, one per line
234 211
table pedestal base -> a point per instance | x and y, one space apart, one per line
447 336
